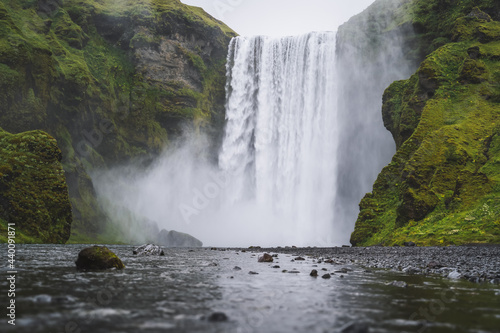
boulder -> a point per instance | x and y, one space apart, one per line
149 250
266 258
177 239
98 258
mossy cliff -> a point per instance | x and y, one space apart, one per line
443 184
110 80
33 193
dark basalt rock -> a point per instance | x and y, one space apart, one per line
98 258
266 258
218 317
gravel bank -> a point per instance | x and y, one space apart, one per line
477 264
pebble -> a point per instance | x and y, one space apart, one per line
218 317
399 284
481 262
314 273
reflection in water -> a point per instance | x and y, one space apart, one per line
178 292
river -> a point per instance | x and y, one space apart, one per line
181 291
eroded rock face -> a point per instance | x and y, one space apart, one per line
110 83
441 183
98 258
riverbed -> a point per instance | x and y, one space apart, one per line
228 290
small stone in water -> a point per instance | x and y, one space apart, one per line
400 284
217 317
253 273
236 268
266 258
275 266
326 276
299 259
314 273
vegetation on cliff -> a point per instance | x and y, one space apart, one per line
33 192
443 185
110 80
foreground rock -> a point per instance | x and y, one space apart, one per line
149 250
173 238
98 258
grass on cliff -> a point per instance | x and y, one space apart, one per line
34 195
443 185
68 70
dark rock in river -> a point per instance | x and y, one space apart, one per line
177 239
98 258
266 258
314 273
217 317
149 250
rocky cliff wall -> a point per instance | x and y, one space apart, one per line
442 185
110 80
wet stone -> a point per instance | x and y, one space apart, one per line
217 317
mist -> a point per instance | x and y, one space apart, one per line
303 142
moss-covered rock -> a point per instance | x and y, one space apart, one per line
442 186
33 192
111 81
98 258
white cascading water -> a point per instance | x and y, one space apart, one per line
280 135
297 155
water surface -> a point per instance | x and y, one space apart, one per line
179 292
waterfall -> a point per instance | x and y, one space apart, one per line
302 143
280 136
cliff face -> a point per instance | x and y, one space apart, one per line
443 184
111 81
33 192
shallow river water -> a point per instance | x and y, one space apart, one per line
182 290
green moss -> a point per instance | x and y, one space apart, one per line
33 192
71 71
98 258
442 186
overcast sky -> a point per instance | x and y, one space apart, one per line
281 17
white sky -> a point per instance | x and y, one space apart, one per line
281 17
